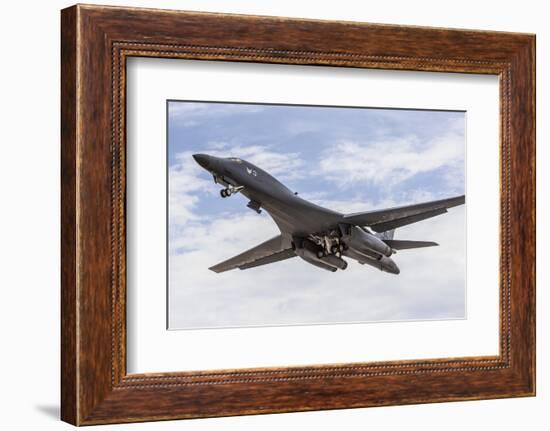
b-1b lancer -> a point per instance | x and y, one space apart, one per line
318 235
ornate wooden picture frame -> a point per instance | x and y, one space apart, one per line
96 41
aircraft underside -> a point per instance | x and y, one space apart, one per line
326 250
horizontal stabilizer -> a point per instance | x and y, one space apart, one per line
387 234
399 244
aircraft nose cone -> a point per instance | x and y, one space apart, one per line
203 160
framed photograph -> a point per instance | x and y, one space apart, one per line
263 214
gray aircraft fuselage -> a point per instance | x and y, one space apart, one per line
294 216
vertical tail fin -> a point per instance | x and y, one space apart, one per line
386 235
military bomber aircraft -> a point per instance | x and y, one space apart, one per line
318 235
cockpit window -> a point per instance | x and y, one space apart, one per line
235 159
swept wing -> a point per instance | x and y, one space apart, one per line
391 218
272 250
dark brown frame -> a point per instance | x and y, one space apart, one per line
95 43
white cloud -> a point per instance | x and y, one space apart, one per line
286 166
191 114
392 161
185 181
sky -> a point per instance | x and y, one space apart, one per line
346 159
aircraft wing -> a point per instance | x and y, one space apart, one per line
272 250
387 219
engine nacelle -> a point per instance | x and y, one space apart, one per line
319 264
308 251
380 262
362 241
335 261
